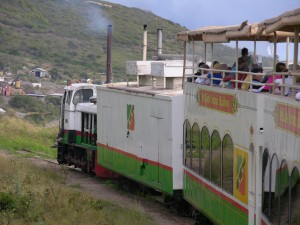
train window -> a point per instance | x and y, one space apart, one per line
283 191
205 153
283 179
265 182
82 95
83 115
216 158
187 146
95 125
196 159
94 130
64 97
269 198
88 128
227 164
295 194
68 97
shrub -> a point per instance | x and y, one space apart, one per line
52 100
26 103
7 202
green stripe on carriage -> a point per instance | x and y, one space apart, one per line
150 173
212 203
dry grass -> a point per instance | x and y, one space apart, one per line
30 195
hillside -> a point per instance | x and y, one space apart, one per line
69 36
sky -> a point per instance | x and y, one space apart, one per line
194 14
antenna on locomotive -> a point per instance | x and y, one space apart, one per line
108 61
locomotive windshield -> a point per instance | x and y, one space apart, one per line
82 95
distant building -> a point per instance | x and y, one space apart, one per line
39 72
39 85
5 88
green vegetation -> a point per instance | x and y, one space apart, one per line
296 221
29 195
16 134
36 110
70 37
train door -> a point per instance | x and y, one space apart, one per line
107 124
155 145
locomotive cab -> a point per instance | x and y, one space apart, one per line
76 139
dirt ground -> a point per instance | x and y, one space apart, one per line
100 189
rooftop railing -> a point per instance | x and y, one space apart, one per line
283 83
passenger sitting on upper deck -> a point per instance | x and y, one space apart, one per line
198 73
240 76
202 79
287 80
214 63
256 69
256 78
216 74
268 79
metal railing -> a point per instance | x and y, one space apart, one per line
281 81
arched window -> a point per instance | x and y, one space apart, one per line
295 196
227 164
196 148
271 209
282 191
187 144
216 158
266 194
283 176
205 153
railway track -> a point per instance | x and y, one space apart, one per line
113 191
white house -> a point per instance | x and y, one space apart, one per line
39 72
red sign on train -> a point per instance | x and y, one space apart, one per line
287 118
217 101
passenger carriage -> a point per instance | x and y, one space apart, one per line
241 163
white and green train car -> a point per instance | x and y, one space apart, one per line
140 133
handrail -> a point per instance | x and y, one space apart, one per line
280 82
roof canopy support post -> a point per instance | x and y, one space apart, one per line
254 54
205 53
236 63
193 58
212 54
275 52
296 48
184 63
287 51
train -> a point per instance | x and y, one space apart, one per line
231 155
